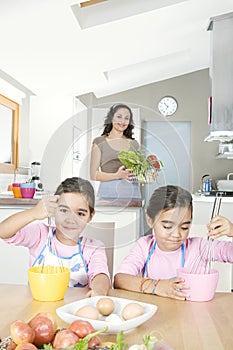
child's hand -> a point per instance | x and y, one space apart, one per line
220 226
172 288
46 207
94 293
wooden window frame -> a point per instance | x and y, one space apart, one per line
15 127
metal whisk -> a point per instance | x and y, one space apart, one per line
202 264
49 269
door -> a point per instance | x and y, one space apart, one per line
170 142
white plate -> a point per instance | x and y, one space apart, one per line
67 314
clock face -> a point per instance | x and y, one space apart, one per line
167 106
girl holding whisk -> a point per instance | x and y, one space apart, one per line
72 206
152 264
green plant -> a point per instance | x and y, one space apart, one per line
145 168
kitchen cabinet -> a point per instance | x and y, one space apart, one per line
202 210
221 123
13 260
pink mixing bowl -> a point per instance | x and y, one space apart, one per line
202 286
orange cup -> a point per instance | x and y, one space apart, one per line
16 190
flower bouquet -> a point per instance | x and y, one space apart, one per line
145 168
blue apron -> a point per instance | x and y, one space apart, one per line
151 252
76 262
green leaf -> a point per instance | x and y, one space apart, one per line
120 345
149 341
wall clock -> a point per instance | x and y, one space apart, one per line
167 106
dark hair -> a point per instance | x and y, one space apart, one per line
108 121
168 197
78 185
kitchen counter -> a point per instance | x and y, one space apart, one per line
183 325
137 203
210 199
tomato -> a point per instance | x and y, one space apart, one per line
11 345
81 328
43 328
64 339
95 341
154 161
21 332
26 346
50 316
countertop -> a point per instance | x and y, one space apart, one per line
184 325
203 198
136 203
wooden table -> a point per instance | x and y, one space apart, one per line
184 325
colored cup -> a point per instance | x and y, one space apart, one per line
28 189
16 190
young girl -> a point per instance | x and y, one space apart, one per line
157 256
72 207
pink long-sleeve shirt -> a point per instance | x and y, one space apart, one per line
164 265
34 237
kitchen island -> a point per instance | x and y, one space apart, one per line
184 325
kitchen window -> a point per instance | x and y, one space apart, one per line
9 131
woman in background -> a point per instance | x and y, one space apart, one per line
104 165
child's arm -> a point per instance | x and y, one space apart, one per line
44 208
99 285
170 288
220 226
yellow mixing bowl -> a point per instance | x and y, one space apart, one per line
48 283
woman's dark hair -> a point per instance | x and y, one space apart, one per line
78 185
168 197
108 121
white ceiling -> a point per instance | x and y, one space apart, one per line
114 46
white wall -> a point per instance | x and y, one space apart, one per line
192 92
46 114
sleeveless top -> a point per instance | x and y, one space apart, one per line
109 162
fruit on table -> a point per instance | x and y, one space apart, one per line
132 310
105 306
95 341
26 346
39 332
88 311
81 328
64 338
43 328
50 316
21 332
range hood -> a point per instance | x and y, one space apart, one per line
221 78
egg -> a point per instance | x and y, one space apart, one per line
132 310
105 306
88 311
113 318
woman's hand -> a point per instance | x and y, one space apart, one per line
124 173
172 288
220 226
46 207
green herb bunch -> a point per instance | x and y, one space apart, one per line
145 168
